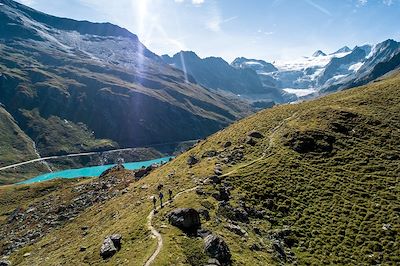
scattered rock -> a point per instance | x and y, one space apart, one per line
200 192
310 141
82 249
222 195
205 214
192 160
144 187
209 154
110 246
227 144
255 134
232 213
256 247
141 173
216 248
187 219
215 180
4 262
203 232
116 168
27 254
250 141
236 229
386 227
213 262
218 170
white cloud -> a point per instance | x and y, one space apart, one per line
362 2
194 2
197 2
388 2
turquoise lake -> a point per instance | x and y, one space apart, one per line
91 171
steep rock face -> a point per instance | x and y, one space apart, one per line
215 73
256 65
99 77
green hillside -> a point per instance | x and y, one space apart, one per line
318 185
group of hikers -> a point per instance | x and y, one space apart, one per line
161 196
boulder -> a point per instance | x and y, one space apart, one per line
232 213
236 229
141 173
214 180
216 247
218 170
222 195
186 219
227 144
250 141
110 246
4 262
118 167
255 134
209 154
213 262
205 214
192 160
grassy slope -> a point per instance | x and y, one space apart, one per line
335 202
15 146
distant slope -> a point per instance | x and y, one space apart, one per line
98 80
217 74
318 184
15 146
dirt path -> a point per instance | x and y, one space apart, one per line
157 234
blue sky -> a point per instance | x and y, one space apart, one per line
262 29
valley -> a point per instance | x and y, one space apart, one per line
113 154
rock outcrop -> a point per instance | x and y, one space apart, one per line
216 247
186 219
110 246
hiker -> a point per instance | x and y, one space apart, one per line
154 202
170 194
161 196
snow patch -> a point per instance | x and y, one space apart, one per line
355 67
300 92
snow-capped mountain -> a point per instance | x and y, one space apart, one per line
319 53
323 72
260 66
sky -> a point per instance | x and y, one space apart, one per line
263 29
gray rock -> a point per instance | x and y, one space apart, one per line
255 134
209 154
222 195
110 246
216 247
186 219
4 262
213 262
250 141
205 214
227 144
232 213
236 229
192 160
203 232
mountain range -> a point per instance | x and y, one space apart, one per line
70 86
73 86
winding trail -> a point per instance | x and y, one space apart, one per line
157 234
